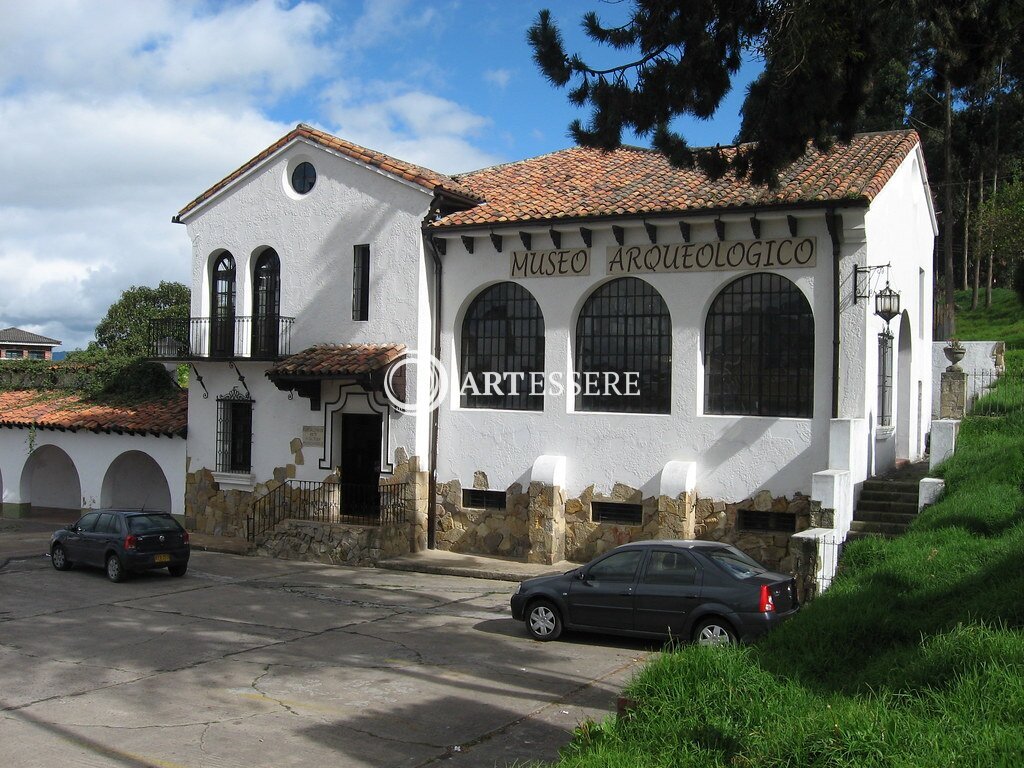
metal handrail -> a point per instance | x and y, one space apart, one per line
196 338
329 502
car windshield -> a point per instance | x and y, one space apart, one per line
148 523
735 562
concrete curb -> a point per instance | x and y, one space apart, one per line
224 549
449 570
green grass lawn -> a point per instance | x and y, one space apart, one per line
914 656
1003 321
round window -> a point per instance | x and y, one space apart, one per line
303 178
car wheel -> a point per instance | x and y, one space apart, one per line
59 558
543 621
115 570
178 570
714 632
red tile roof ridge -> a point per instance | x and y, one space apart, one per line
580 182
417 174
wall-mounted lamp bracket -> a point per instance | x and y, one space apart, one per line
206 394
241 379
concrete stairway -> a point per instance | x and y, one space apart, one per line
887 505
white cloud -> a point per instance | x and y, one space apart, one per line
165 47
113 115
498 77
411 125
387 20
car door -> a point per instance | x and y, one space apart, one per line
75 543
603 595
667 592
95 540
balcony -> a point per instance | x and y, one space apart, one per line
205 338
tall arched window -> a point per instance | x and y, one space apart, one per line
503 350
222 306
266 304
759 349
624 349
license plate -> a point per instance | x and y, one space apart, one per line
161 558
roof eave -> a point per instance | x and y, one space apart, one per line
852 202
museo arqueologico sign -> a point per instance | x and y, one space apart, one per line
774 253
563 262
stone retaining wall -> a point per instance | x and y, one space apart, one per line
225 512
541 525
499 532
717 521
334 543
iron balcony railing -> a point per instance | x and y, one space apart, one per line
198 338
350 503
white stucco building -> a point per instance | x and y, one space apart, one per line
60 452
724 336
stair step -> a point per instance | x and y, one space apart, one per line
892 486
887 506
897 518
876 495
893 529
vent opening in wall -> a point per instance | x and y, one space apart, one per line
616 512
776 522
474 498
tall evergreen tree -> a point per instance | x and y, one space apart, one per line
831 67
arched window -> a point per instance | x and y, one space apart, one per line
624 350
222 305
503 350
266 304
759 349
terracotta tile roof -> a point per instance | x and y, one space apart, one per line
47 410
580 183
337 360
18 336
424 177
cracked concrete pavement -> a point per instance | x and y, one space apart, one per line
260 662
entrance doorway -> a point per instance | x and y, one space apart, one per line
360 463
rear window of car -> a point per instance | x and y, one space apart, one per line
735 562
149 523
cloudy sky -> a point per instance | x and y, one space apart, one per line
115 113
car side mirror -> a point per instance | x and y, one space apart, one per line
581 575
71 527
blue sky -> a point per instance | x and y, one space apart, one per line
115 113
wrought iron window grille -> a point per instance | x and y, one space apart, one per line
759 349
625 328
502 335
234 432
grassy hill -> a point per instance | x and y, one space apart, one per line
914 656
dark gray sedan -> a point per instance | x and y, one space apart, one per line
696 591
122 541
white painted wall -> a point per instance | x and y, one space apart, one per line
314 236
92 455
278 420
735 456
899 230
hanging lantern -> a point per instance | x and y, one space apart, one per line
887 304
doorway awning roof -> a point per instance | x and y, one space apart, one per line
334 361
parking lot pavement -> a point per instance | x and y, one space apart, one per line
260 662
